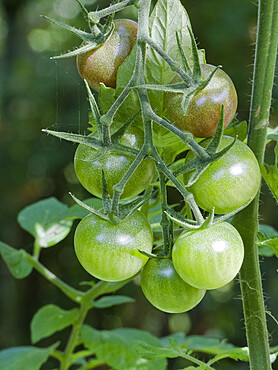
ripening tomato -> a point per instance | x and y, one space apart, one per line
110 252
204 109
228 183
101 65
208 258
164 288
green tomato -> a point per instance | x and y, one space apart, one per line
110 252
101 65
228 183
164 288
209 258
204 109
89 168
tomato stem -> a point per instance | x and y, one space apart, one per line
247 220
148 115
67 359
165 222
36 250
174 65
106 137
97 15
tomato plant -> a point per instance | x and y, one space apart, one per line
101 65
203 113
209 258
111 252
164 288
114 239
89 164
228 183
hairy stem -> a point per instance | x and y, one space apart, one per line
67 360
247 220
97 15
108 117
36 250
165 222
148 115
174 65
119 188
86 304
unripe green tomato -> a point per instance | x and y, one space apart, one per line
209 258
89 169
204 109
110 252
164 288
101 65
228 183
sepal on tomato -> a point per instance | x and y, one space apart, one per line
91 40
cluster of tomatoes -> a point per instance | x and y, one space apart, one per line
202 259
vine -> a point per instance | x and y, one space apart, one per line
247 220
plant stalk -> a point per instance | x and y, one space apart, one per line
67 360
247 220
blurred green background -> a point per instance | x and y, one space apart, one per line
37 93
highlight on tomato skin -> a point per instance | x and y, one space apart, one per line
230 182
164 288
110 252
204 109
209 258
101 65
88 167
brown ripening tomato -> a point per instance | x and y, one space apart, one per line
204 109
101 65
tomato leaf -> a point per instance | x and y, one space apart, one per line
273 357
168 17
110 301
207 345
16 261
272 133
270 175
50 319
45 221
238 130
267 232
177 345
168 144
25 357
106 98
266 240
272 244
117 347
